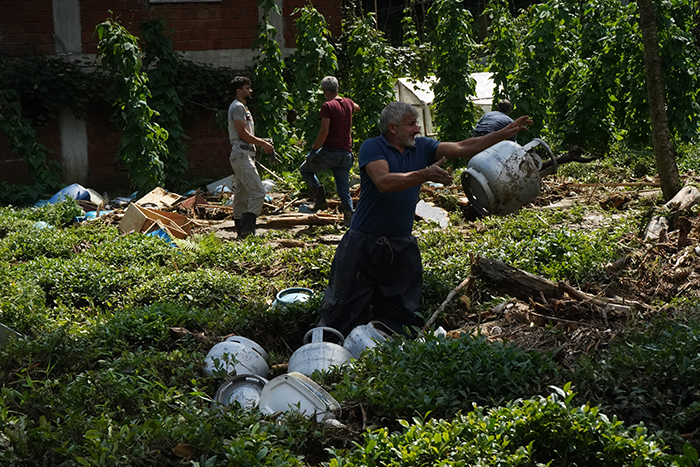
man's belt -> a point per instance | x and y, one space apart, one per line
246 146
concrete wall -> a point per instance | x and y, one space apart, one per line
218 33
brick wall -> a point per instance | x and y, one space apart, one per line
26 26
196 26
207 148
13 168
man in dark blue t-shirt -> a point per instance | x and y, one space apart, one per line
377 267
494 121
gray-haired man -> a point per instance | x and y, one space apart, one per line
377 266
332 148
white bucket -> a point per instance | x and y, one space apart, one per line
366 336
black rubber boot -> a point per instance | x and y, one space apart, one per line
248 228
239 225
319 194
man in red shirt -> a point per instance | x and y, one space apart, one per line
332 148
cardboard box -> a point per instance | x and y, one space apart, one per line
159 198
140 219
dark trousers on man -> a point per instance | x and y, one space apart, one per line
376 278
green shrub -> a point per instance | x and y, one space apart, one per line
443 376
531 243
134 249
80 282
202 288
533 432
651 376
58 214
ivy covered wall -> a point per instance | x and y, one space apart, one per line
213 33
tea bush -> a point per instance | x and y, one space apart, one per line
651 376
202 288
131 250
444 376
540 246
539 431
79 281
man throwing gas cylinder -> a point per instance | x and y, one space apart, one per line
377 271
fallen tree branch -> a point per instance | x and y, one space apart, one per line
292 219
602 303
654 184
512 281
272 173
529 314
465 283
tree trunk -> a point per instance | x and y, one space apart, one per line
661 137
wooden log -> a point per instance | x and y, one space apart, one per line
686 198
512 281
292 219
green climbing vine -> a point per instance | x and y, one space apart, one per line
369 81
270 94
453 56
22 140
142 147
163 64
502 46
314 58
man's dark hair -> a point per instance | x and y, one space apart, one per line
238 82
504 106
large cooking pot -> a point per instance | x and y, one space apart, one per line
505 177
317 354
238 355
367 336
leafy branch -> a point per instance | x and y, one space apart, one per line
142 147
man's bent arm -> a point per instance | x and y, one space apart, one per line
470 147
244 134
387 182
322 133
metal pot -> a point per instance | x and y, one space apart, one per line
249 357
296 392
244 389
292 295
505 177
367 336
317 354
